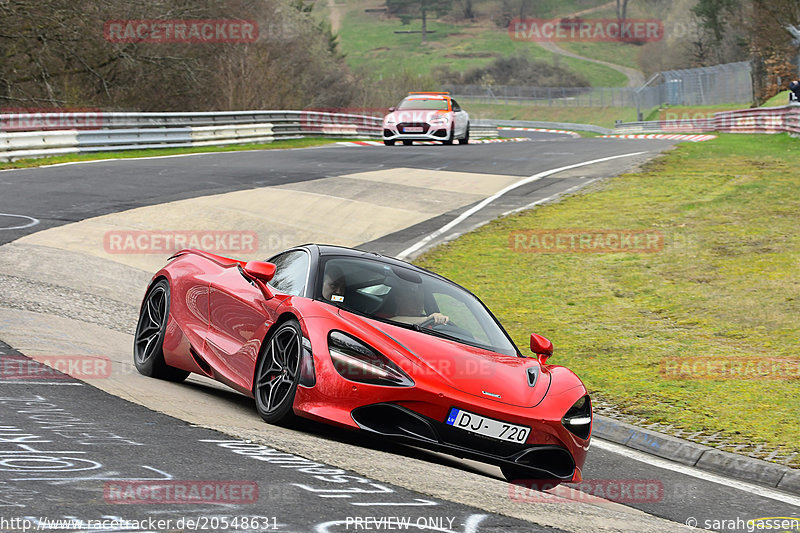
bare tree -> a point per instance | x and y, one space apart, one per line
55 53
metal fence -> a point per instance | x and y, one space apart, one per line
731 83
545 96
721 84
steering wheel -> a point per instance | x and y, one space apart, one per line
428 322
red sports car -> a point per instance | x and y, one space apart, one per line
367 342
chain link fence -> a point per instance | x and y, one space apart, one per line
721 84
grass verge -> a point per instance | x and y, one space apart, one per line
725 285
600 116
156 152
780 99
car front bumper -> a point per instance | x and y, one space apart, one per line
430 132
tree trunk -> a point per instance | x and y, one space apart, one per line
622 9
424 25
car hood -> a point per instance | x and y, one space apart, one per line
517 381
415 115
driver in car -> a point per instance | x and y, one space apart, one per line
411 308
333 284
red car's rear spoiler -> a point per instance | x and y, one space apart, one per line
220 260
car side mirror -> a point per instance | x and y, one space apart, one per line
262 273
541 347
392 109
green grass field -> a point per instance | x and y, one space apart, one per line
624 54
725 284
782 98
600 116
370 45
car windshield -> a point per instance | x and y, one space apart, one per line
411 299
437 104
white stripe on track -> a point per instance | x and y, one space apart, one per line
642 457
530 179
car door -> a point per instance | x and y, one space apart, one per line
241 315
460 119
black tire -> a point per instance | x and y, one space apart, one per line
148 342
407 143
388 142
465 140
278 373
450 138
523 477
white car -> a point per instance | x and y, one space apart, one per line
428 116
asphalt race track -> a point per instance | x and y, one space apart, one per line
77 449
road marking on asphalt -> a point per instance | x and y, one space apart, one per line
17 382
33 221
672 137
530 179
144 158
652 460
542 130
551 197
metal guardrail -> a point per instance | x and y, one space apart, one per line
99 132
492 123
24 135
29 135
783 119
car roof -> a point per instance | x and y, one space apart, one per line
427 97
343 251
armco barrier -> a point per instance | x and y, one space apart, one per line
129 131
538 124
24 135
783 119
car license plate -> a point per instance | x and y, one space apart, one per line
488 427
412 130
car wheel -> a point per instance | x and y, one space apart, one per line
148 342
521 476
465 140
450 137
408 143
388 142
278 373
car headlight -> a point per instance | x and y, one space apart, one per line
356 361
578 419
440 120
390 120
